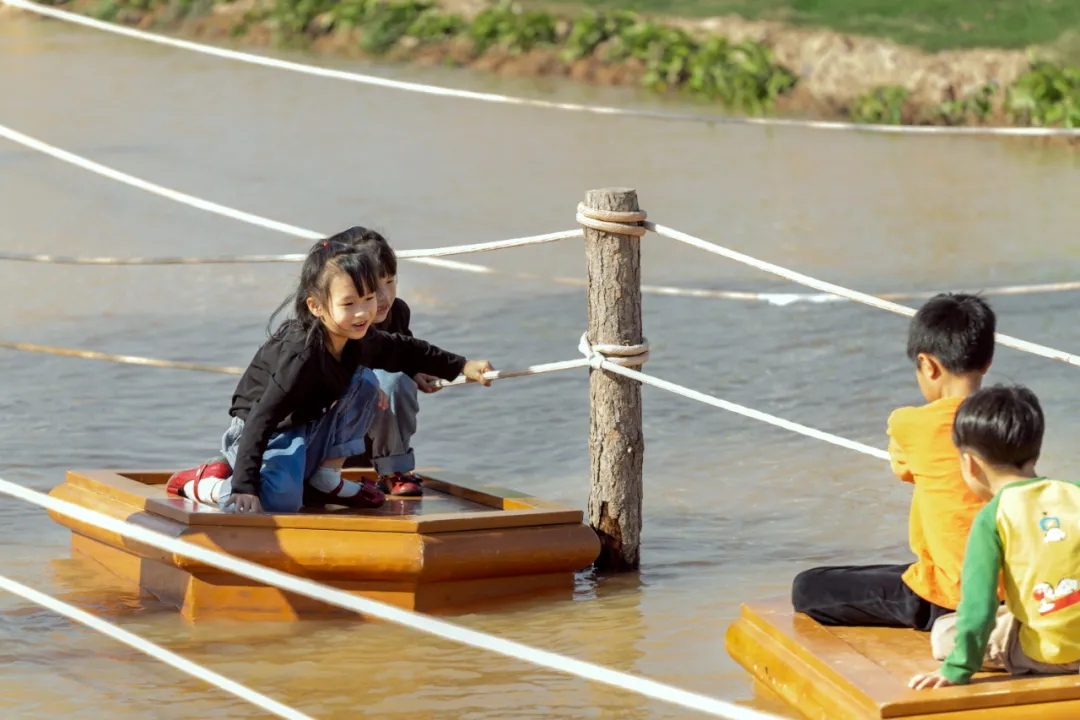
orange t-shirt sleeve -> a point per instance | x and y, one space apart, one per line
897 456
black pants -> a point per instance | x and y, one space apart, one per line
862 595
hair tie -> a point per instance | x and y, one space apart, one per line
326 244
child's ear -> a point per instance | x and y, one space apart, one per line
313 306
967 464
930 366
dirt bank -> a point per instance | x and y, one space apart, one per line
831 75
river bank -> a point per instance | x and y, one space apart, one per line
745 66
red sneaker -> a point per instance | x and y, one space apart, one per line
219 470
402 485
369 497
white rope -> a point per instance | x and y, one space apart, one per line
625 355
540 369
124 359
431 256
374 608
785 299
427 255
155 651
219 260
772 298
421 254
855 295
605 357
528 102
524 372
593 355
493 245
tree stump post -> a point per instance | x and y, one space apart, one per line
616 441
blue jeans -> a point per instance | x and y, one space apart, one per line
392 429
294 455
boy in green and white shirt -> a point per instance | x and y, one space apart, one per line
1029 532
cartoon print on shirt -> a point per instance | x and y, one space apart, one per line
1051 528
1052 599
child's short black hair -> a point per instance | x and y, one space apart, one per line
1003 425
359 236
956 329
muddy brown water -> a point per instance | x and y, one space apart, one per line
733 508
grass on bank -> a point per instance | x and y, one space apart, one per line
928 24
743 77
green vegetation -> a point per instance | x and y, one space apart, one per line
1046 95
742 76
929 24
883 105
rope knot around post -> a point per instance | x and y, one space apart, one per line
619 222
624 355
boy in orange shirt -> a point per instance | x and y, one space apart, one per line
951 342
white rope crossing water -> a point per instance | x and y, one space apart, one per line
422 623
541 369
89 260
838 290
155 651
617 359
612 355
620 359
432 256
124 359
436 90
419 254
772 298
427 256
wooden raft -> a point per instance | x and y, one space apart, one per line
455 548
831 673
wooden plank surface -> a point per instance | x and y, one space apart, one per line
863 672
444 507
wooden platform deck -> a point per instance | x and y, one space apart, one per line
830 673
459 546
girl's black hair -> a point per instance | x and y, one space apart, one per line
325 258
359 237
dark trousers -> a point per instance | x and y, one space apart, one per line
862 595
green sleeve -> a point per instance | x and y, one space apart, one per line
978 597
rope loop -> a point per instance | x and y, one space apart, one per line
619 222
622 355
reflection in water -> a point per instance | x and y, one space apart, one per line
733 509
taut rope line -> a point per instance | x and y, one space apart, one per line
155 651
374 80
431 256
849 294
374 608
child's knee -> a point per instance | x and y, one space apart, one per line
398 387
283 499
281 479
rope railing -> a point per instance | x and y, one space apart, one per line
623 360
376 81
613 356
155 651
287 257
431 256
840 291
610 358
373 608
773 298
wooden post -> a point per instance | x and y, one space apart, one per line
616 442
